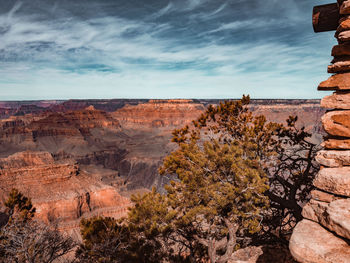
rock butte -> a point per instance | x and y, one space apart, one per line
324 235
159 114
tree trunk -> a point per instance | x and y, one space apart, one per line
212 251
231 243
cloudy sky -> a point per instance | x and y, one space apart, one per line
161 49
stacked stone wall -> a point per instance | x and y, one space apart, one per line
323 236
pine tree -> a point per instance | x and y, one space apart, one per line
20 207
236 176
24 239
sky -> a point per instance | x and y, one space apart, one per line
82 49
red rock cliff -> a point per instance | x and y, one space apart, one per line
61 192
159 113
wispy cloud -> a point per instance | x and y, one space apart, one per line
186 48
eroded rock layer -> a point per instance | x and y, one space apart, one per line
61 192
160 113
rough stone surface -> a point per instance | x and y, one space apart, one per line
344 36
333 158
341 50
336 144
338 100
334 216
315 211
337 123
336 82
345 8
334 180
344 24
339 67
311 243
340 59
323 196
339 217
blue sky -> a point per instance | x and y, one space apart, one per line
161 49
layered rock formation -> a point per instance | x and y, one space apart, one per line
159 114
62 192
19 108
76 160
309 113
324 234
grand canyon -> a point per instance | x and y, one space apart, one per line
82 158
123 138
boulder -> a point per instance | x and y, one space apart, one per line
333 158
311 243
334 180
336 82
337 123
339 100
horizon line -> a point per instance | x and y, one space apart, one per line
84 99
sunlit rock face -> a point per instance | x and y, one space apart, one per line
61 192
159 114
311 242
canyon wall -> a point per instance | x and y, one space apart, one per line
62 192
76 160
